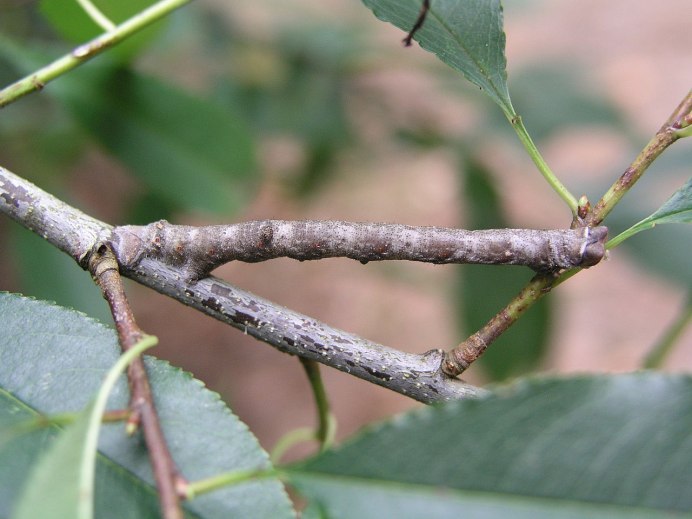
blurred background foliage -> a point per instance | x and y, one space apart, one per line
184 114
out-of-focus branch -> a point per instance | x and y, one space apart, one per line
418 376
37 80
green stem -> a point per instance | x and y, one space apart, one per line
79 55
460 358
525 138
684 132
661 350
226 479
325 419
96 15
288 440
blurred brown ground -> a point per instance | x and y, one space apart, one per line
607 318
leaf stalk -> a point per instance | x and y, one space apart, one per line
550 177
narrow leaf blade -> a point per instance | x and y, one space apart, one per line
677 209
62 483
467 35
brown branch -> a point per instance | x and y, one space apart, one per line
104 268
199 250
461 357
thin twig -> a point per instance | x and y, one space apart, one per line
104 268
96 15
664 346
37 80
460 358
199 250
418 376
665 136
325 420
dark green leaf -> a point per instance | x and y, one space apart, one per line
608 446
62 482
193 152
485 290
53 360
467 35
665 251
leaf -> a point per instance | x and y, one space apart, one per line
484 290
196 153
585 447
467 35
52 360
192 151
62 483
297 87
677 209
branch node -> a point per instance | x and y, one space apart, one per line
458 360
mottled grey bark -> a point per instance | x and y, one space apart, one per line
77 234
67 228
199 250
418 376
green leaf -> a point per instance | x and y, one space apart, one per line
484 290
585 447
62 483
191 151
52 360
677 209
467 35
197 154
297 87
